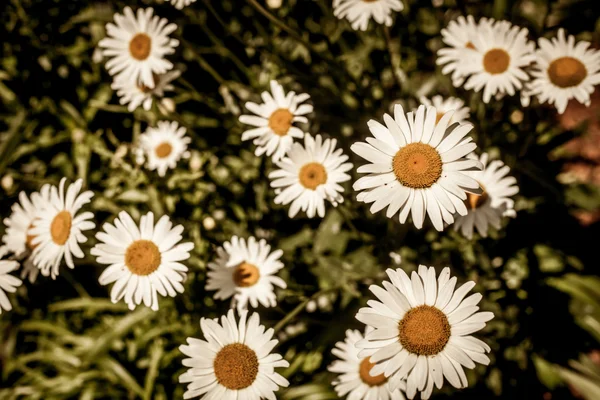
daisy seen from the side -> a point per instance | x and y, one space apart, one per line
360 12
164 145
180 4
134 94
443 105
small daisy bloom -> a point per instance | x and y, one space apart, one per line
309 175
564 70
137 46
134 94
179 4
143 262
164 146
355 379
234 361
494 202
422 330
444 105
245 270
417 166
360 12
57 230
8 283
274 132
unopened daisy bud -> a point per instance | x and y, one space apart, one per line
311 306
166 106
209 223
77 135
274 3
7 182
195 161
138 154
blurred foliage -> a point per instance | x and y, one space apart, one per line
64 339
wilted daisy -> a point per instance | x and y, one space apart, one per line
8 283
444 105
417 166
494 203
57 229
234 361
137 46
134 94
309 175
143 262
422 330
164 146
355 379
245 270
359 12
274 132
564 70
179 4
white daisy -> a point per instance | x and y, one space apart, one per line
274 132
58 230
164 146
8 283
444 105
179 4
246 272
359 12
355 379
309 175
234 362
422 330
494 203
564 70
144 261
137 46
135 94
417 166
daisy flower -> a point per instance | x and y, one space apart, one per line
57 230
309 175
143 262
137 46
359 12
8 283
444 105
417 166
494 203
164 146
355 379
422 330
564 70
274 132
245 270
234 361
134 94
179 4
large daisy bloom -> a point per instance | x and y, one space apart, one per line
179 4
309 175
274 132
234 361
355 379
134 94
142 261
422 330
360 12
564 70
137 45
497 64
417 166
57 230
164 146
8 283
246 271
494 202
444 105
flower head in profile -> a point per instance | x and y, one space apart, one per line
180 4
274 130
360 12
134 94
8 283
444 105
164 146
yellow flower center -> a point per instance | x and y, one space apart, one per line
496 61
365 368
312 175
417 165
280 121
567 72
246 275
60 228
475 201
140 46
142 257
236 366
163 150
424 330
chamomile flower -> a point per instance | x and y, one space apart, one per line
234 361
179 4
494 203
134 94
275 132
246 270
564 70
417 166
164 146
8 283
143 261
444 105
58 229
360 12
422 330
355 378
137 45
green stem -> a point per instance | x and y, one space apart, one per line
299 309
